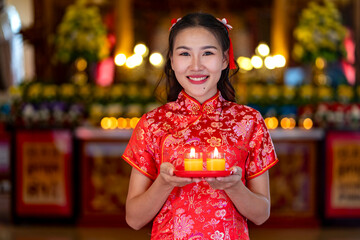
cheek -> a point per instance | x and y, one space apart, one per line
178 66
214 65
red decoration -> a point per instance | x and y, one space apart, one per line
43 173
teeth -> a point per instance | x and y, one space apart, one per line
197 79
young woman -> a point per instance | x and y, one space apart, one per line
201 112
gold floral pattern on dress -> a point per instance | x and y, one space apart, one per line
183 224
140 134
209 108
214 142
217 235
216 124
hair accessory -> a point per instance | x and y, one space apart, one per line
225 22
232 64
173 22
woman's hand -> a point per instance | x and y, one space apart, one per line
146 197
225 183
167 176
255 193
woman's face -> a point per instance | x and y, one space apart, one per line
197 61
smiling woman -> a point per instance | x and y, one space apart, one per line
201 114
219 42
197 62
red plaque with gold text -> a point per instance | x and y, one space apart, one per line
43 173
342 175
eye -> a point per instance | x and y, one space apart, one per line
207 53
184 54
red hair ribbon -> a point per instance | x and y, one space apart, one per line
232 64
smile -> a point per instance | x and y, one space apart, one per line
198 79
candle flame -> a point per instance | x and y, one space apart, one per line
216 153
192 152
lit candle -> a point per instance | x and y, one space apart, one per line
215 161
193 161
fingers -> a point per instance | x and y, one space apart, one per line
167 168
235 170
223 183
167 174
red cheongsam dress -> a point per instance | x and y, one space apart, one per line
196 211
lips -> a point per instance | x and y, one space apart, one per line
198 79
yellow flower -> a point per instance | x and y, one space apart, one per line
306 91
50 91
67 90
100 92
81 33
325 93
132 91
34 90
273 92
116 91
298 52
85 91
319 32
345 92
257 91
289 92
15 91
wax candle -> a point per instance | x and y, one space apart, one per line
215 161
193 161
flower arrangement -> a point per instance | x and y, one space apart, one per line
319 33
81 33
46 105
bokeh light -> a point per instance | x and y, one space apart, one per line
307 123
279 61
141 49
269 62
271 122
120 59
257 62
134 61
80 64
156 59
244 63
263 49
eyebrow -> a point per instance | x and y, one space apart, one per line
204 47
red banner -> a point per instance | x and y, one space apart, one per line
343 175
43 173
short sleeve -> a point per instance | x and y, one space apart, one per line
262 154
138 152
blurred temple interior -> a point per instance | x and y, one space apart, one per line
77 75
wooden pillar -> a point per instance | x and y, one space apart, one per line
357 40
124 27
279 29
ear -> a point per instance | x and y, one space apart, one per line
225 60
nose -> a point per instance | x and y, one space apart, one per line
196 63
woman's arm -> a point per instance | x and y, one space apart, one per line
145 198
253 200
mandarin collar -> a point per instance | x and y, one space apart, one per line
192 106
